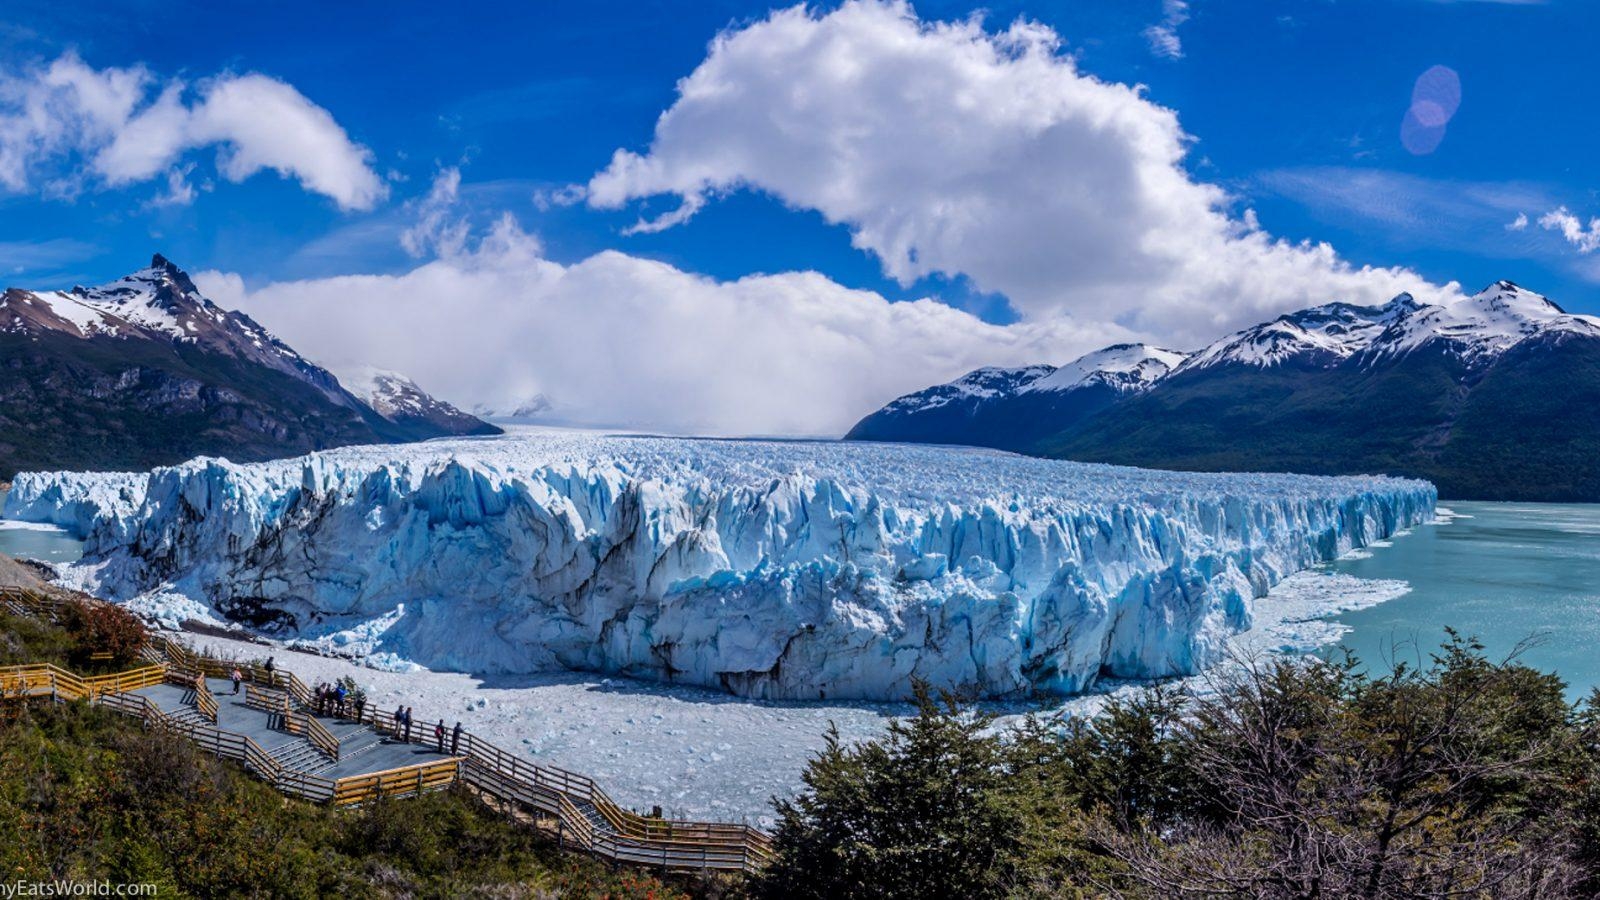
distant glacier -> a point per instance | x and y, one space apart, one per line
775 569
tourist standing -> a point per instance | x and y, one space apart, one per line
438 735
237 677
455 740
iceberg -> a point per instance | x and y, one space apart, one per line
770 569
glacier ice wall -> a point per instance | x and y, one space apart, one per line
775 569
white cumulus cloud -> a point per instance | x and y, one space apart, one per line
949 148
1584 236
129 127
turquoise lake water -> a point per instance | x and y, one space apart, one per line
1502 572
33 542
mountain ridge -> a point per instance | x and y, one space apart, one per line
1333 389
145 370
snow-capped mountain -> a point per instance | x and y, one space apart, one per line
159 304
146 370
539 406
399 400
1476 329
1319 336
787 569
1496 395
1007 408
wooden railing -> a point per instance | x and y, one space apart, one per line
35 603
404 781
558 793
49 680
307 726
266 700
205 701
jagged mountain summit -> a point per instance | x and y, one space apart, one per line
147 371
398 399
1492 396
1476 330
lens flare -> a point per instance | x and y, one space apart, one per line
1434 100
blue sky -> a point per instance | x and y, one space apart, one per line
1293 109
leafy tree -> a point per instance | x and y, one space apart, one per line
921 813
104 628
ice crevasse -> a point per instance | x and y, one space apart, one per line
778 569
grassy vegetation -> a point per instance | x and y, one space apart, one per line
85 796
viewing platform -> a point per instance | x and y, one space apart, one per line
362 750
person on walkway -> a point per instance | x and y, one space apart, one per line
271 680
339 694
237 677
455 740
399 720
360 704
438 734
408 724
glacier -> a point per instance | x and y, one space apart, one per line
774 569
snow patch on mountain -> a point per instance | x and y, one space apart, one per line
789 569
387 391
982 384
1125 367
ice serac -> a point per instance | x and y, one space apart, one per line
770 569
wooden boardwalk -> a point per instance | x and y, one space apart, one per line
362 750
271 728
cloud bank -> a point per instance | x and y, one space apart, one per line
67 122
619 340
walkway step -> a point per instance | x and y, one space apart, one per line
300 756
188 716
601 824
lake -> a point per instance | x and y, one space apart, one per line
1501 572
37 541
